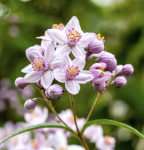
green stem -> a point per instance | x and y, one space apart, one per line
48 102
78 132
98 97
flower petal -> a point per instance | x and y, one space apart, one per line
33 76
47 79
73 23
84 77
77 51
101 80
75 147
63 49
86 39
49 52
60 75
57 62
72 86
96 72
58 36
27 69
80 62
32 54
67 61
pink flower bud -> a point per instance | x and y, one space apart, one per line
30 104
54 91
20 83
120 82
99 87
109 60
118 69
128 69
96 46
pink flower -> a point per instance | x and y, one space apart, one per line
37 116
67 116
100 76
93 133
73 74
105 143
71 38
42 66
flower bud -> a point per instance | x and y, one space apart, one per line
96 46
118 69
120 82
55 91
110 61
127 69
30 104
20 83
99 87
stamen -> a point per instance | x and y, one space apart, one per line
100 38
72 71
34 144
72 28
108 140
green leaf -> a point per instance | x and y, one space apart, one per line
38 126
112 122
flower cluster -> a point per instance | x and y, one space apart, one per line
51 60
62 56
52 138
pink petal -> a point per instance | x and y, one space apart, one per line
57 62
86 39
80 62
58 36
62 49
75 147
32 54
96 72
33 76
103 79
27 69
96 66
84 77
72 86
77 51
67 61
49 52
73 23
47 79
60 75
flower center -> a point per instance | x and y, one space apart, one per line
32 115
59 27
108 140
38 64
35 144
73 37
63 148
72 71
102 74
15 141
100 38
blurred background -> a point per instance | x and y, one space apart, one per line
122 24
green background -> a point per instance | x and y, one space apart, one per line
122 24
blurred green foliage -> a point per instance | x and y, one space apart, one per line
122 24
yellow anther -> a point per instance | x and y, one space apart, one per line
77 32
72 33
32 64
77 35
74 38
103 38
68 34
78 70
72 28
44 34
34 68
74 67
99 35
75 72
35 59
69 67
101 68
34 144
102 74
71 37
55 25
108 140
61 24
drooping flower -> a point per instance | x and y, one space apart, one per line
71 38
73 74
42 66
